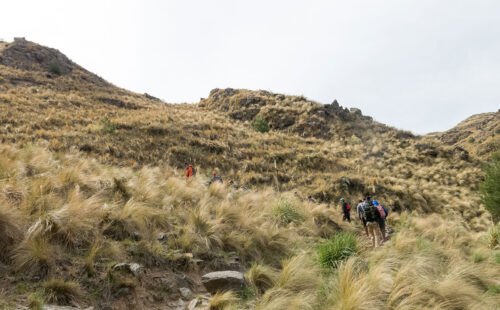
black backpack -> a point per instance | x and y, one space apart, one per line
370 215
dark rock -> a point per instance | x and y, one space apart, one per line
223 281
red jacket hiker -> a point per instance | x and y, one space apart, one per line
189 171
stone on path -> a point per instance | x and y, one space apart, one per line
223 281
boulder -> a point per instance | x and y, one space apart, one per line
133 268
186 293
223 281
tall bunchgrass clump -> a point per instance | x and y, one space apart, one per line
340 247
493 236
62 292
287 212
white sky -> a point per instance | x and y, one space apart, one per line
422 65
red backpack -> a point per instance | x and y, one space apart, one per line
381 211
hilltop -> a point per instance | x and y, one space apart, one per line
91 183
479 134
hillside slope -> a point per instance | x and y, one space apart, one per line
91 184
326 151
478 134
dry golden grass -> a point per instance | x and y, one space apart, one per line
90 175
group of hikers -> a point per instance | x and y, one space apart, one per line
373 216
370 212
191 171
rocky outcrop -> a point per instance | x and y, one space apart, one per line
220 281
291 113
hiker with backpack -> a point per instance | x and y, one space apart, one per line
360 209
190 171
383 214
372 218
215 178
346 209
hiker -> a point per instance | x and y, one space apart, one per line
361 210
372 218
346 209
310 199
383 214
189 171
215 178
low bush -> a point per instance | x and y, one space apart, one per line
260 124
55 68
107 126
331 252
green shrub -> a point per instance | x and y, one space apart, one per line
332 251
472 140
260 124
55 68
107 126
287 212
490 188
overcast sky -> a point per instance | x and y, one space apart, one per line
421 65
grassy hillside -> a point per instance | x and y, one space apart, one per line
479 134
322 150
91 176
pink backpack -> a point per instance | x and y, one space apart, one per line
381 211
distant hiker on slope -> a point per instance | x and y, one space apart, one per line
215 178
360 209
346 209
372 218
190 171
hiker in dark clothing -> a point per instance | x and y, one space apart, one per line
372 218
346 209
215 178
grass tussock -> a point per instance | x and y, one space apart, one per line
62 292
340 247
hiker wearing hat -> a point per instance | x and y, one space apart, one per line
215 178
381 221
346 209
